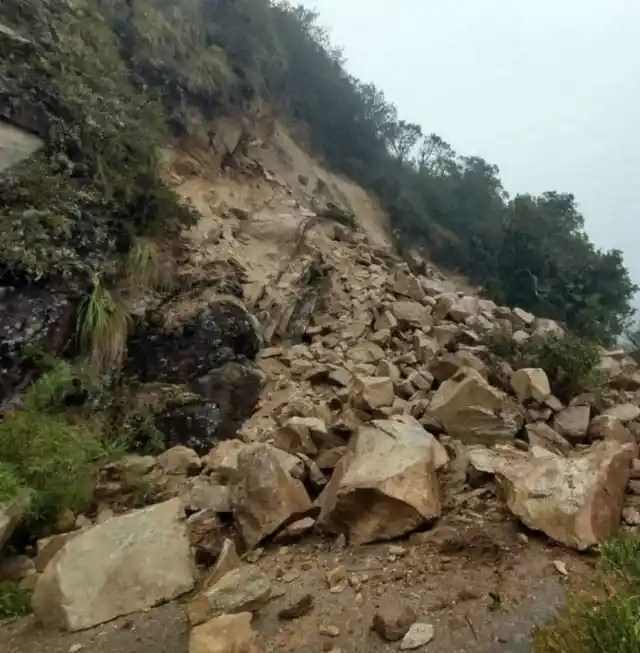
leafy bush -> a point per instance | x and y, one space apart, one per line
50 450
14 601
103 324
569 360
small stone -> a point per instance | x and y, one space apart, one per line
561 567
420 634
393 620
74 648
298 609
291 575
631 516
396 550
336 576
330 631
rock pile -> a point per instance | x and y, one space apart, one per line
370 401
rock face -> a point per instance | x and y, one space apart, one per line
577 501
229 633
126 564
193 338
30 317
531 384
388 486
244 589
266 497
473 411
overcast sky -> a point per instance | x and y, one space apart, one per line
549 90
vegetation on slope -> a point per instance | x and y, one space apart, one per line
606 617
99 66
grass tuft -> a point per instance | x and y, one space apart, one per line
103 324
145 269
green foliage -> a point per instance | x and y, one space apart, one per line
50 450
10 482
607 619
14 601
103 324
569 360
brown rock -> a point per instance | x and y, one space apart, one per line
577 501
127 564
624 412
393 620
573 422
374 392
475 412
266 497
180 460
412 314
531 383
387 486
229 633
606 427
245 589
227 561
297 609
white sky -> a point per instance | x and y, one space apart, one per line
549 90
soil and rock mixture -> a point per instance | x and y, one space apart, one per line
388 465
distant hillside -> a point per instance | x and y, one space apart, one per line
114 78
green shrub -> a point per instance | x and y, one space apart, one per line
569 360
14 601
52 450
145 268
103 324
10 482
621 555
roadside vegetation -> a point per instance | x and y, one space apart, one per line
605 617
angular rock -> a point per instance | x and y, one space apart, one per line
624 412
419 635
446 365
522 318
406 285
606 427
266 497
393 621
573 423
388 485
229 633
577 501
366 352
412 314
464 308
546 327
374 392
297 609
475 412
425 348
128 563
542 435
245 589
207 535
531 383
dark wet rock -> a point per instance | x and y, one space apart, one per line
30 317
188 337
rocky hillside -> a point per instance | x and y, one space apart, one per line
234 418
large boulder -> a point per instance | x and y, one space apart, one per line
531 383
577 501
126 564
606 427
387 486
624 412
266 497
187 338
464 308
473 411
374 392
